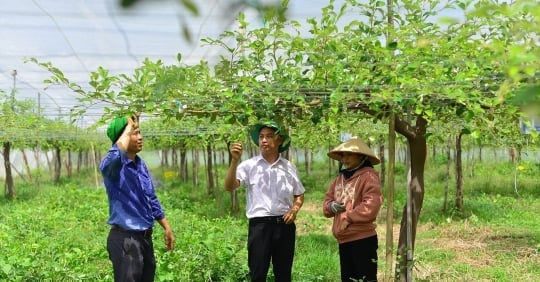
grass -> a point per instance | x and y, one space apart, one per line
58 233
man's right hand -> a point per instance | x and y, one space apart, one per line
236 150
133 123
230 178
123 140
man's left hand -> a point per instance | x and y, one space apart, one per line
290 216
169 240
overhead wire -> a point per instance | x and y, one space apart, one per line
100 15
82 28
104 15
226 27
205 20
112 16
214 100
61 31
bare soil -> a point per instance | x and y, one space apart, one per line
464 243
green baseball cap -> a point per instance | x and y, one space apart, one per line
256 129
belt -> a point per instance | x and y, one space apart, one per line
145 233
267 219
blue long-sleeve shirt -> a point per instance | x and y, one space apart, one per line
133 204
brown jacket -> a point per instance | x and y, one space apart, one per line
362 205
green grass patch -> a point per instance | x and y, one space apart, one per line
58 233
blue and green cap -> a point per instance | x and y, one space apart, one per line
280 131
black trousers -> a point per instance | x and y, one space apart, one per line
132 256
270 239
358 260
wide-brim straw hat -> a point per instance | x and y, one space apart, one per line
256 129
354 145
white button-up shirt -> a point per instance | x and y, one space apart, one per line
270 187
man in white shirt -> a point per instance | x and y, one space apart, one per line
274 196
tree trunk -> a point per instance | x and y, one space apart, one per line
331 167
459 174
235 206
163 160
10 189
472 163
216 170
87 162
251 150
383 163
48 163
480 154
80 160
512 154
447 185
195 165
37 152
307 159
390 192
88 157
175 163
26 165
68 164
210 186
57 165
95 164
183 163
416 138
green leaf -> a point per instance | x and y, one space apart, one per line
460 109
191 6
186 33
127 3
465 131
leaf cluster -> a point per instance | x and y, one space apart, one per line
412 66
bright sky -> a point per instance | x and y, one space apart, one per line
77 36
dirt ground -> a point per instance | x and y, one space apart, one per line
469 244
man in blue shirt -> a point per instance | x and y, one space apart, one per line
133 204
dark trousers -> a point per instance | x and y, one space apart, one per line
132 256
358 260
270 241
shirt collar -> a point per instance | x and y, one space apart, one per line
259 158
124 154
